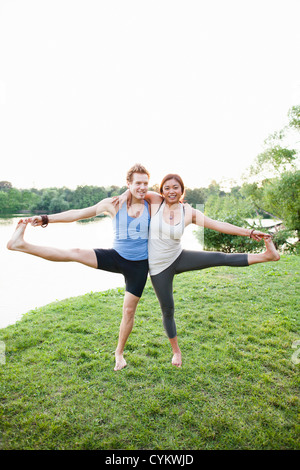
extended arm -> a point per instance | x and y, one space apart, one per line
199 218
77 214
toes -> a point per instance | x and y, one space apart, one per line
176 361
120 364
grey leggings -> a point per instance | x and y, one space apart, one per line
188 261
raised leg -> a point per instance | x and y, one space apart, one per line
17 243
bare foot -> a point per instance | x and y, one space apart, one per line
176 360
271 253
17 240
120 362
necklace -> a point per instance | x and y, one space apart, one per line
171 215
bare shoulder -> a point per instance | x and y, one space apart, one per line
188 213
153 197
107 206
193 216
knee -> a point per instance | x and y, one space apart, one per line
129 312
168 312
74 253
169 323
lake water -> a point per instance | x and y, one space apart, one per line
28 282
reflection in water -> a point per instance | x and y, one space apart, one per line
27 282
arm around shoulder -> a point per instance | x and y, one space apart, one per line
153 198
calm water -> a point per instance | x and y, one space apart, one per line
27 282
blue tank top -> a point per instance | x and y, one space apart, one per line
131 234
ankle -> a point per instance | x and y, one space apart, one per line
176 350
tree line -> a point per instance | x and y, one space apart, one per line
271 189
52 200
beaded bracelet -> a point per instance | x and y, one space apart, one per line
250 236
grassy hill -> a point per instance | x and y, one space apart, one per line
238 387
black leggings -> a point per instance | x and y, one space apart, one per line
188 261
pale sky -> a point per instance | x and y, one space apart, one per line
88 88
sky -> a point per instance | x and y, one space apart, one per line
88 88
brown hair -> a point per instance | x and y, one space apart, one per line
171 176
137 168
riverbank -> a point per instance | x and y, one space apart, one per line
237 389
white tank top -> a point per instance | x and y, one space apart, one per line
164 245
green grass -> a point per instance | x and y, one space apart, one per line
238 387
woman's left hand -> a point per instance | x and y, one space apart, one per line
258 236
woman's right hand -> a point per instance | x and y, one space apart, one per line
118 201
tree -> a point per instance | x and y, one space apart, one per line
278 156
230 243
277 192
10 201
282 198
3 202
294 115
5 185
195 196
43 204
274 160
232 208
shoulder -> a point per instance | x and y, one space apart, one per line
107 205
153 198
188 213
155 208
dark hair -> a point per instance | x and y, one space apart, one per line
137 168
171 176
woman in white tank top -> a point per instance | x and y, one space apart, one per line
169 216
164 240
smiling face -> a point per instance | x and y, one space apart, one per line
172 191
138 185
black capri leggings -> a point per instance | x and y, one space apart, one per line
188 261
